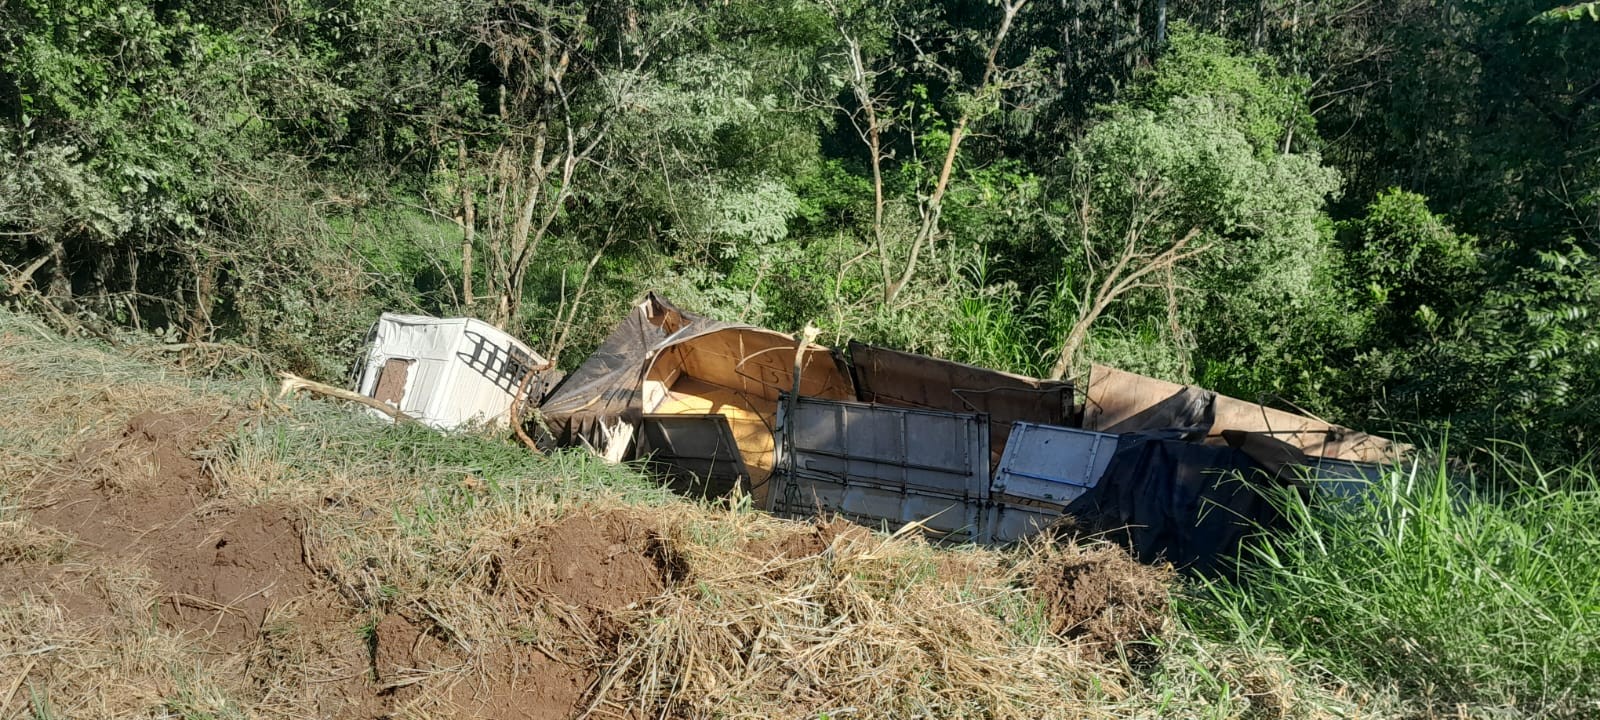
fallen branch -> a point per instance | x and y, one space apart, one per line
293 383
20 279
20 285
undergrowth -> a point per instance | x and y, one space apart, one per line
1449 593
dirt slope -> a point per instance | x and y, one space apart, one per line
197 556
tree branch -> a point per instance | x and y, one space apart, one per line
293 383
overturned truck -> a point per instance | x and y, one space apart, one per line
697 396
889 438
886 439
967 454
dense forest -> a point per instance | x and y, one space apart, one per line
1384 212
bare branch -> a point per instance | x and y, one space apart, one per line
1126 275
293 383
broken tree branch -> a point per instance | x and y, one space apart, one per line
933 206
292 383
21 278
802 341
1118 281
516 406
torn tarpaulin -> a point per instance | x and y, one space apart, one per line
1123 402
1183 502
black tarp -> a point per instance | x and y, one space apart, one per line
1183 502
608 385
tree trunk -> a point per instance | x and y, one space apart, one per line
205 282
1069 351
469 223
935 203
59 290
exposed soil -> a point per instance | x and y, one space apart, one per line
128 526
566 581
153 457
401 650
526 680
521 684
143 496
233 579
77 595
325 634
600 562
1103 596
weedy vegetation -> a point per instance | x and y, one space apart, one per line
1453 589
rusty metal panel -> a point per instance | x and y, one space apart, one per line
882 466
1119 401
903 379
392 376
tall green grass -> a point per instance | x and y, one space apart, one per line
1434 587
996 325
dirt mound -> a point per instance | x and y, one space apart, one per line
224 583
143 496
1101 595
315 648
397 651
596 562
152 455
71 591
521 684
560 588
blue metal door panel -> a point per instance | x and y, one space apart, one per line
1052 464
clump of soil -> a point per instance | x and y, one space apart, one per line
522 680
403 651
223 583
568 582
1101 596
595 562
152 455
522 684
143 496
316 646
